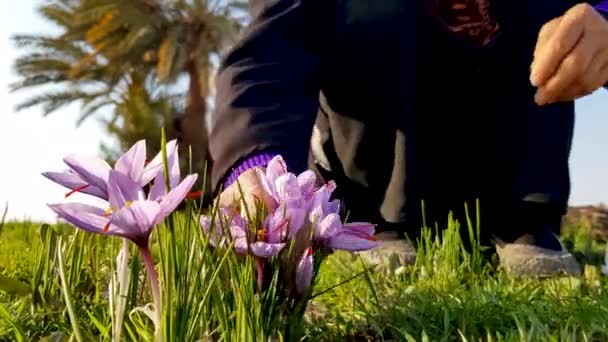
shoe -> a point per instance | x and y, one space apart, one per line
538 255
395 252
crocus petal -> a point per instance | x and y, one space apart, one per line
350 242
238 232
237 229
156 164
132 162
275 226
363 228
158 188
332 207
122 189
275 223
287 188
307 181
319 203
276 168
205 223
316 215
94 171
284 222
137 220
71 180
296 217
304 272
328 227
173 166
241 246
83 216
268 186
235 219
169 202
214 235
266 250
323 194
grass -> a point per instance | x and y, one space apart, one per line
449 295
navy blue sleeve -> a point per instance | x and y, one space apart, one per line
268 86
602 8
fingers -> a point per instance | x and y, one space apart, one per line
545 33
590 79
246 195
557 44
569 71
229 198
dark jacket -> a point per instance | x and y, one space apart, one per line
407 109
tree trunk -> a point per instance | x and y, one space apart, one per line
193 125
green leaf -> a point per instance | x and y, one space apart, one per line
103 329
13 286
17 331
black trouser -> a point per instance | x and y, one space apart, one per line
482 138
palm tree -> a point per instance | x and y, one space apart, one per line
52 67
105 43
177 38
143 111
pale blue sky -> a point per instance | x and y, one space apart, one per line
32 144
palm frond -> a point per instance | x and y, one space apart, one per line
36 63
36 81
60 13
92 108
172 56
52 101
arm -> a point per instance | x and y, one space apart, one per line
268 86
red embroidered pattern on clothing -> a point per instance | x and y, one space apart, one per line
468 18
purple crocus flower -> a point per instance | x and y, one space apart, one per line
285 187
90 175
237 227
281 225
86 175
130 215
320 204
304 271
331 233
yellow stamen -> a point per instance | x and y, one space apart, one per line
261 235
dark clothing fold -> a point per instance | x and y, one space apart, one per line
408 111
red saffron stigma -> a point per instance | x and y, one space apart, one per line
194 195
147 162
309 251
75 190
106 227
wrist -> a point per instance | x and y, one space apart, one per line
258 159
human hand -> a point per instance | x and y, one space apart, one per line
571 56
246 193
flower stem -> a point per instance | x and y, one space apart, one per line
66 294
153 276
123 283
260 270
